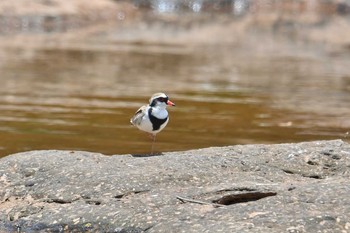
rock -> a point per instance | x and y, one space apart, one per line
176 22
301 187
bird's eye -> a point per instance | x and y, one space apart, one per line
161 99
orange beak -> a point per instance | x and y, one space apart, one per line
170 103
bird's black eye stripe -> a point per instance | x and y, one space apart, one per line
162 99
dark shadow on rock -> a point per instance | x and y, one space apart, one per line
146 155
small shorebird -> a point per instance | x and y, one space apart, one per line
154 117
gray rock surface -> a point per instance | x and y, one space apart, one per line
300 187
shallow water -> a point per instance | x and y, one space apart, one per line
82 99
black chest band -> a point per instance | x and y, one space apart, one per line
156 122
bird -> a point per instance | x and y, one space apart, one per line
153 118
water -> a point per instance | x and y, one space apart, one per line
82 97
239 71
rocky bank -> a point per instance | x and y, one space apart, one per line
301 187
52 22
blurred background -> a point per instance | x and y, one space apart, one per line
73 72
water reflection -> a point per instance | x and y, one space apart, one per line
236 7
163 6
241 7
196 6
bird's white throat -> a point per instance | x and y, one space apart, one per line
160 112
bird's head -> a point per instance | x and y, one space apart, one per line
160 99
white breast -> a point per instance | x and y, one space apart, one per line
160 112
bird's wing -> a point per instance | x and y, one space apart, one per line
137 118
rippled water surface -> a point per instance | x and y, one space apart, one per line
82 98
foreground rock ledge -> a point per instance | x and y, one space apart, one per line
300 187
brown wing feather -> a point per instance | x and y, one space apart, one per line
136 119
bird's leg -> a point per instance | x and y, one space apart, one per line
153 137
